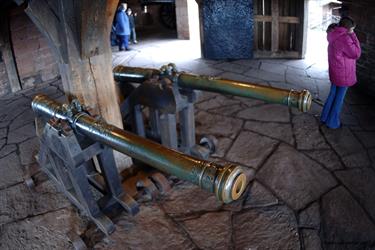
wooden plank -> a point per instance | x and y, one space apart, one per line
260 18
283 36
275 26
289 19
256 36
7 54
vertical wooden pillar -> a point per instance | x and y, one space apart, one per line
275 26
78 31
8 57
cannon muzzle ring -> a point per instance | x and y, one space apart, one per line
231 183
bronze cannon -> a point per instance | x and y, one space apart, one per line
227 182
297 99
170 95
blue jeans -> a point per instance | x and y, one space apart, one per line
123 42
332 107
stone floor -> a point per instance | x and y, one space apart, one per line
313 187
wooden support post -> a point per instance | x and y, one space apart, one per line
8 57
78 31
275 26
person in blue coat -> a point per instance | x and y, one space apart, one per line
122 27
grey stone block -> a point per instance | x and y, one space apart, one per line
186 198
207 123
216 102
157 231
47 231
367 138
21 134
268 113
361 183
294 178
259 196
215 236
28 150
274 68
306 131
252 230
344 221
10 171
311 239
7 149
231 67
228 110
250 149
327 158
310 217
279 131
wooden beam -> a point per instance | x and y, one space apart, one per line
281 19
71 70
260 18
275 25
89 77
289 19
8 56
79 30
47 23
93 28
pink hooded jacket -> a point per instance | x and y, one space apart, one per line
343 51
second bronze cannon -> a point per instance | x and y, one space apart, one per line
170 95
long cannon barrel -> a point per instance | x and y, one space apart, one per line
227 182
298 99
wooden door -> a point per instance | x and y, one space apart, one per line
279 28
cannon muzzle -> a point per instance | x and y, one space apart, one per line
227 182
292 98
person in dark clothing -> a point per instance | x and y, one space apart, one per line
133 35
122 27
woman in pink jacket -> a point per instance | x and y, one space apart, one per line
343 51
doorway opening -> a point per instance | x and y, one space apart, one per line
194 28
321 14
163 37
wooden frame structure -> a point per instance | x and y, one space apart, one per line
279 30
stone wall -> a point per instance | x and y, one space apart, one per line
227 29
35 61
182 19
363 13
